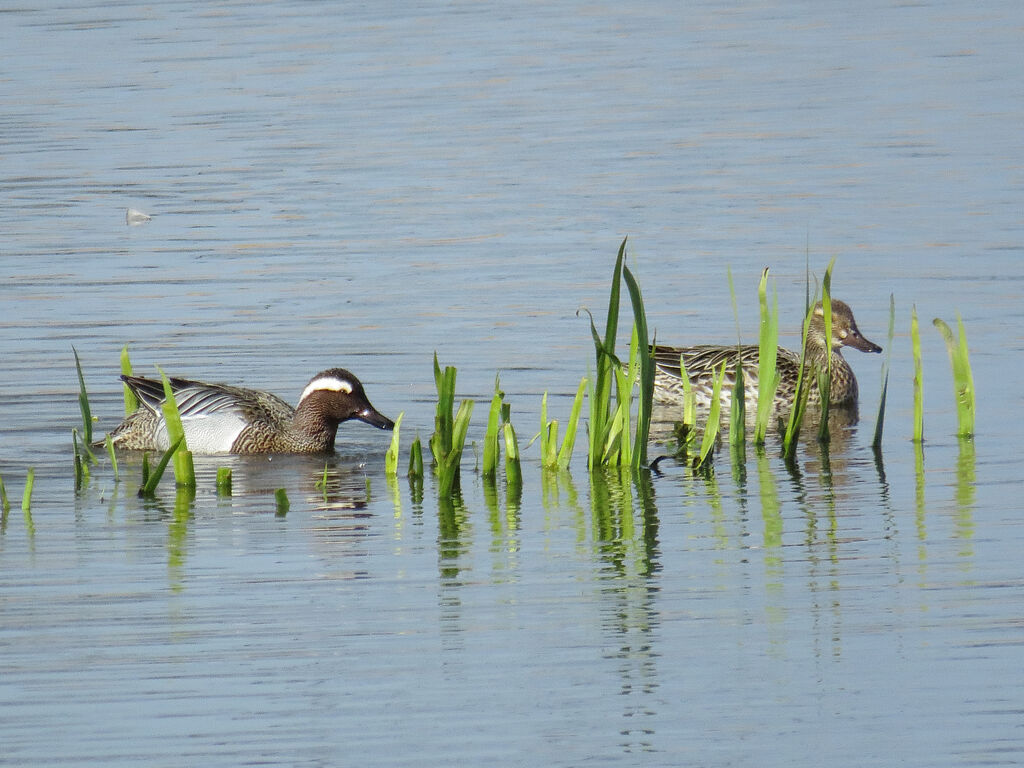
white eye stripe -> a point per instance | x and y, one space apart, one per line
327 384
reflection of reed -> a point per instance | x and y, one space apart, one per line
964 495
505 523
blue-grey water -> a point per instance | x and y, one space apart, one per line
365 184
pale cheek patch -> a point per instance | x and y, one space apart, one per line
327 384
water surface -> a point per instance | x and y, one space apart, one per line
362 186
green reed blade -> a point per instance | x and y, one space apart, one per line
689 396
448 468
26 497
224 480
714 425
569 442
963 381
81 463
5 504
799 405
131 400
151 477
184 470
83 402
513 467
108 443
548 436
491 446
738 405
768 347
600 404
281 503
391 457
738 408
915 343
876 443
623 409
646 370
824 375
416 459
441 440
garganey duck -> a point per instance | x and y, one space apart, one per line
702 362
218 418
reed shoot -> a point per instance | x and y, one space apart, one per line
714 424
448 467
491 449
963 380
645 372
449 438
131 401
391 457
281 502
26 497
109 445
513 467
224 481
767 375
83 401
81 463
876 443
151 477
799 407
915 343
600 398
738 404
441 440
5 504
824 375
184 470
416 460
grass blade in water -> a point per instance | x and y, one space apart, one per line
416 459
184 470
963 380
152 478
224 481
569 441
738 405
646 366
489 467
131 401
714 424
26 497
513 467
391 457
824 375
915 343
876 443
5 504
281 502
83 401
767 375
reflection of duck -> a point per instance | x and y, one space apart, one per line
218 418
702 363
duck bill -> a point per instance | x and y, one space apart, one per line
374 418
859 342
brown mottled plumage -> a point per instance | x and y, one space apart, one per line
702 362
218 418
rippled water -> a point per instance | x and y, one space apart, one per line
364 185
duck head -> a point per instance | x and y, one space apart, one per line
338 396
844 329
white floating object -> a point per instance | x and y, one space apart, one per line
133 217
